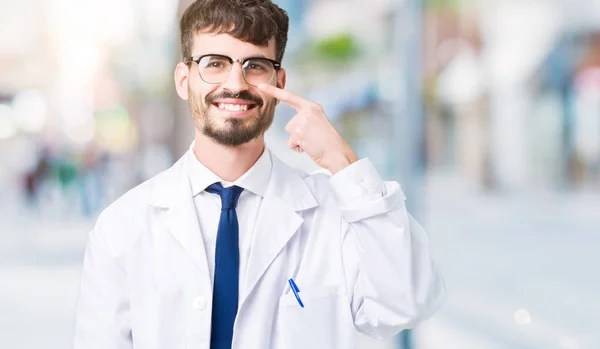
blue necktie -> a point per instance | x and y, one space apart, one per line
227 265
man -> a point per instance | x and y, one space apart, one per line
231 248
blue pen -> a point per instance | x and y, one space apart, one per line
295 289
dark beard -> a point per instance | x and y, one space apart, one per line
235 131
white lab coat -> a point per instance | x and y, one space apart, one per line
362 265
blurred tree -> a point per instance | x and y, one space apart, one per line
340 47
441 4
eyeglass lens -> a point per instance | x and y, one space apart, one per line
215 70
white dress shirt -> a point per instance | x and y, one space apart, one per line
208 206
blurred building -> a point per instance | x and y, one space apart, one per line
497 77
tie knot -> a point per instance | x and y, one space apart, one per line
229 196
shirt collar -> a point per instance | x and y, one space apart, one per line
256 179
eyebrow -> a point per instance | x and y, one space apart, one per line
258 55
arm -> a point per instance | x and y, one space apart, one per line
102 316
390 276
389 273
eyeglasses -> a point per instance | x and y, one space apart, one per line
214 69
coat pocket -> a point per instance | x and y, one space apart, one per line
324 322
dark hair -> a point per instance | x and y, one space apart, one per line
253 21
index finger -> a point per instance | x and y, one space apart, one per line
288 97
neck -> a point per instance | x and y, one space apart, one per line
229 163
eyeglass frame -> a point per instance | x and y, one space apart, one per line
197 59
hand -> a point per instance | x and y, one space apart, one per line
311 132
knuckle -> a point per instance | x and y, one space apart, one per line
315 107
289 127
306 116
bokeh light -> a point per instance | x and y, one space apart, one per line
8 126
30 111
522 317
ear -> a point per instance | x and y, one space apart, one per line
182 74
281 78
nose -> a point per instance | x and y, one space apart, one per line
235 82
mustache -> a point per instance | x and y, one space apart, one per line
244 95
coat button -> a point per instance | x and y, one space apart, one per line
199 303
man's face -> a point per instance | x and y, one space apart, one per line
233 112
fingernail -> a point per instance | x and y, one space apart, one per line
262 86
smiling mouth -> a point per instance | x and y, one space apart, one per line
234 107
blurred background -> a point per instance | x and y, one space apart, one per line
486 111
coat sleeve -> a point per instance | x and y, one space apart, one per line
102 315
389 272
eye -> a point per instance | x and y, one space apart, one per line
256 66
215 65
214 62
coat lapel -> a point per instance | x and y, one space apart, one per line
173 192
277 222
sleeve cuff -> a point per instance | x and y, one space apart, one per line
359 181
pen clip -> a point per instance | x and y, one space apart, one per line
295 289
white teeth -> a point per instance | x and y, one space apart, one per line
233 107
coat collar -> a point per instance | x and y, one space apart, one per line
286 183
278 220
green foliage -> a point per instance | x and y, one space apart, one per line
342 47
440 4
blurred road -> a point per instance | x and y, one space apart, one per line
531 251
535 252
